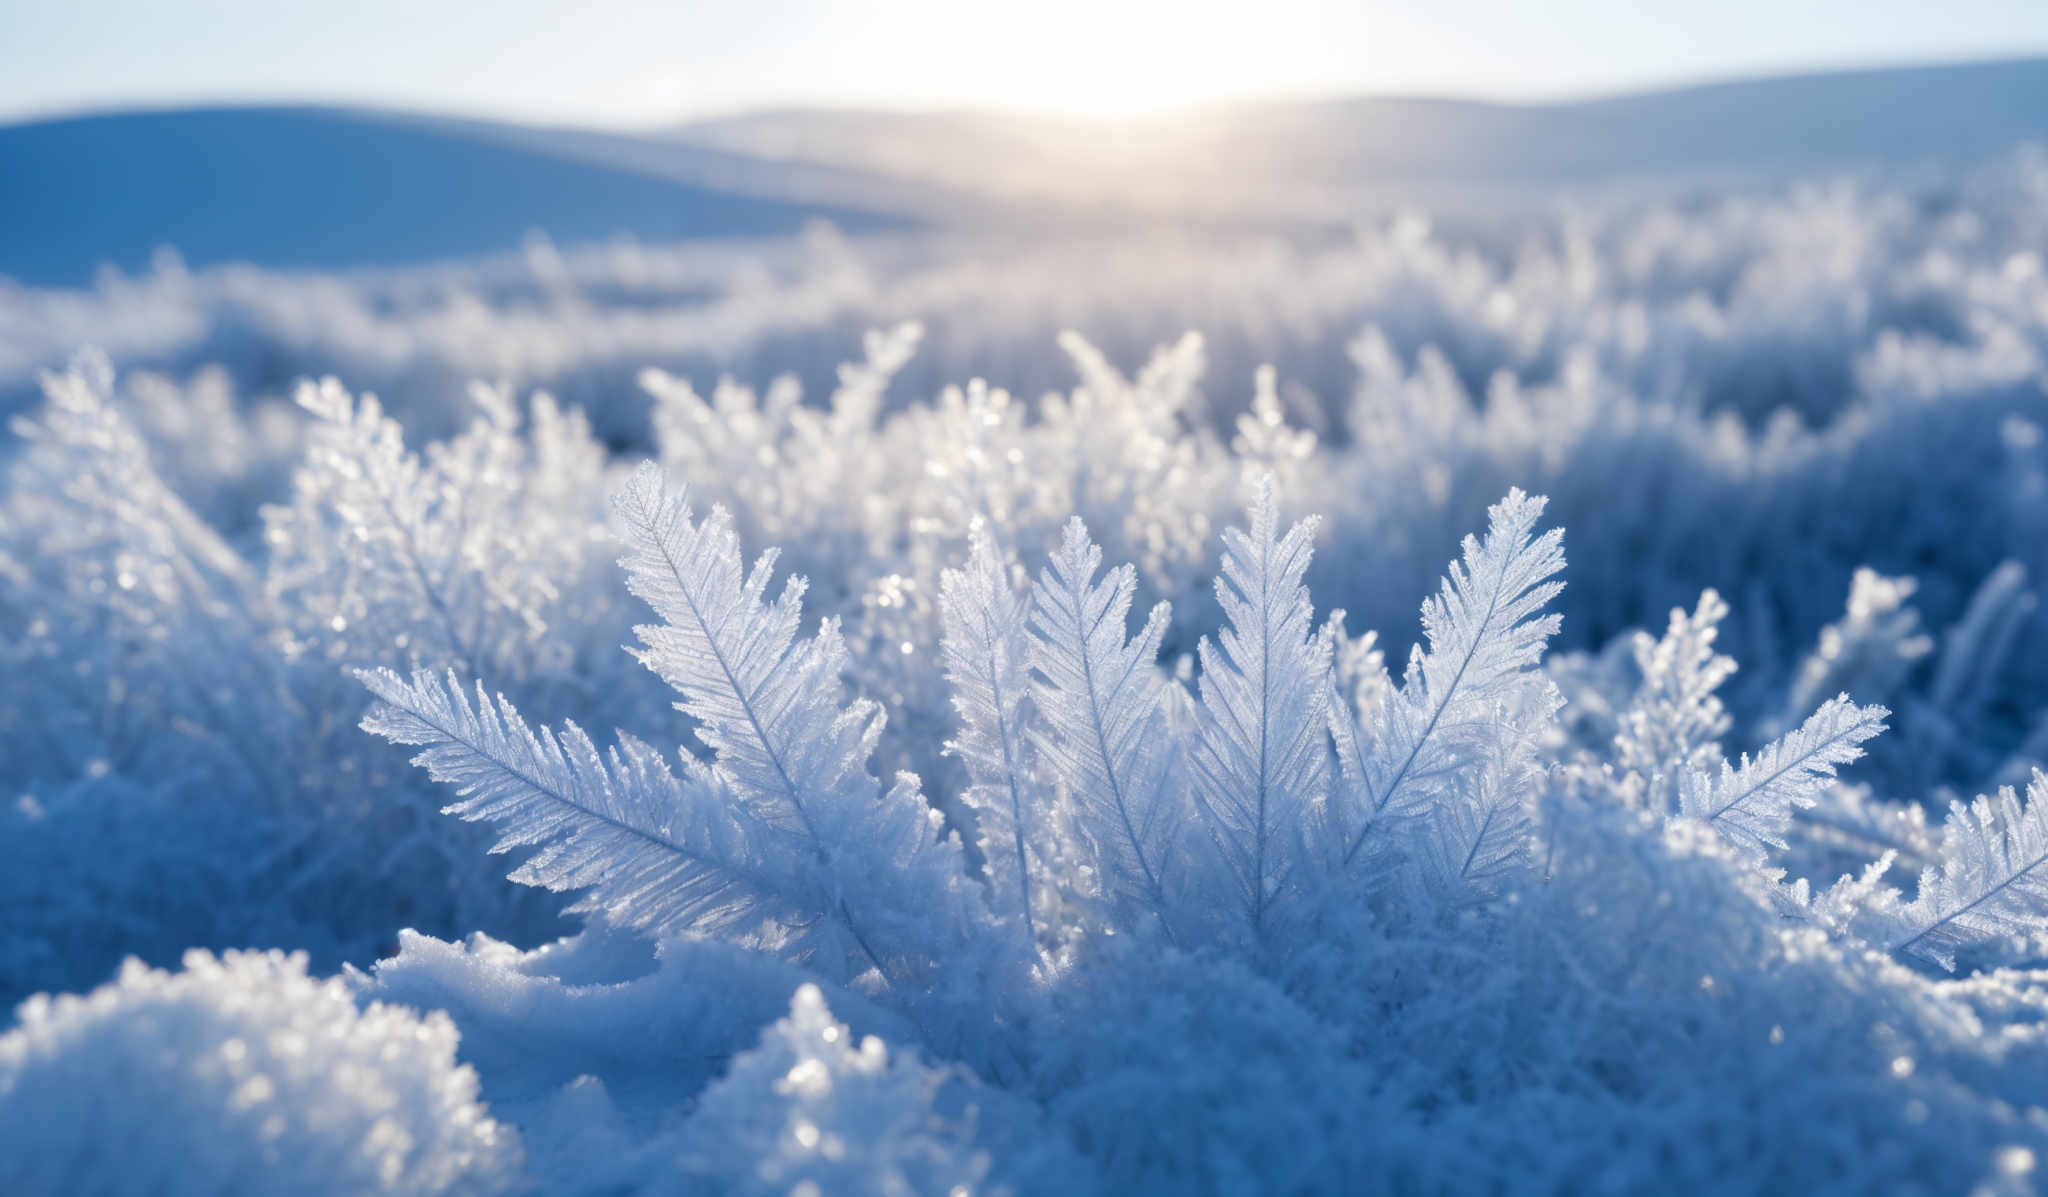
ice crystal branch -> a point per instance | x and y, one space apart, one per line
1673 725
650 850
1991 882
1261 753
986 647
1753 803
1475 687
768 707
1099 695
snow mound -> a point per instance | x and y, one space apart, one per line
240 1074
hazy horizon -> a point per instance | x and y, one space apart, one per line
627 66
371 103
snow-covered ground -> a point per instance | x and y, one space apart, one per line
1009 852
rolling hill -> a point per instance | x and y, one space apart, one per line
1299 154
334 189
330 188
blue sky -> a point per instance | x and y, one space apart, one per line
614 62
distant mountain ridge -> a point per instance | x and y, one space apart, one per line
324 188
1954 113
334 188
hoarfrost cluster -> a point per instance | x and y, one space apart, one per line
1048 790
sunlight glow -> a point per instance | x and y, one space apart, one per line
1130 60
647 63
1078 58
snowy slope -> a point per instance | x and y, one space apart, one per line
333 188
1275 150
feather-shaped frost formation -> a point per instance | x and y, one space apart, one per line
1992 881
1752 803
1261 757
1457 740
1103 730
768 705
986 647
652 851
1673 725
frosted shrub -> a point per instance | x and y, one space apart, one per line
240 1074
